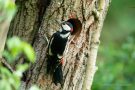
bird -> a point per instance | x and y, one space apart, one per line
56 48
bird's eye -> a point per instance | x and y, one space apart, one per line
64 24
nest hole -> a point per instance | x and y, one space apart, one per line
77 26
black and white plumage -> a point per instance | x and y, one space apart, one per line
56 49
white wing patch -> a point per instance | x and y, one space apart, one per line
65 35
59 56
66 27
50 52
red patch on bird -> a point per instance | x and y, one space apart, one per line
62 61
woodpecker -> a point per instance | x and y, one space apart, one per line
56 48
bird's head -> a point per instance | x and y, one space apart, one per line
67 26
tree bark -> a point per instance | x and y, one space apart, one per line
37 20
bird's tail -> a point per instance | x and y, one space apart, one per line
58 75
54 67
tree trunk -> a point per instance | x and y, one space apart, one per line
37 20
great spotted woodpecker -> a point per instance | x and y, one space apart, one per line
56 49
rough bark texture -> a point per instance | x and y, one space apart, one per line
35 22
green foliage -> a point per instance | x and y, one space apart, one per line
116 56
16 46
11 81
116 67
119 21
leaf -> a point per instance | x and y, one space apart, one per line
20 69
29 51
8 56
14 45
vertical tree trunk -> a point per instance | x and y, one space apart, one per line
35 22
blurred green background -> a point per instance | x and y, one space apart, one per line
116 56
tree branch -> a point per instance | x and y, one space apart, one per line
5 63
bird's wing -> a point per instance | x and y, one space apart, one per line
49 45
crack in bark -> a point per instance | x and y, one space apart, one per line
61 5
82 9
